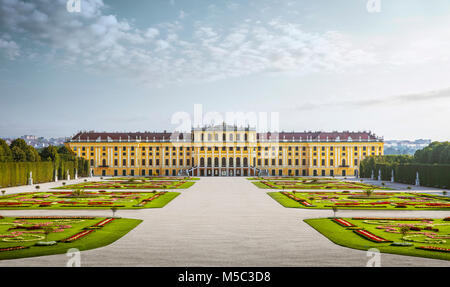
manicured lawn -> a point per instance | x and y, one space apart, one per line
359 200
387 232
26 232
290 178
154 184
87 200
154 178
326 184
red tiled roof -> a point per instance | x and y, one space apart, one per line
282 136
319 136
105 136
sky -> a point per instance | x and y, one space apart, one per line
136 65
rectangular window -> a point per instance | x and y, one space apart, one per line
143 162
273 161
280 161
289 161
115 162
132 162
323 162
124 162
314 162
331 162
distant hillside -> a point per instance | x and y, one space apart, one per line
404 146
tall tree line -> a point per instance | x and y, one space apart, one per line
19 151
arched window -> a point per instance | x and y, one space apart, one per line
230 161
209 137
238 161
343 162
224 162
216 162
224 137
216 137
202 162
245 162
246 137
104 162
209 162
231 137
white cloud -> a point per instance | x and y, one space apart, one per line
163 54
9 49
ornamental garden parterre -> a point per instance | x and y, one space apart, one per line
361 200
312 183
80 199
424 237
29 236
131 184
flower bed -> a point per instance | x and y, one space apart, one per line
13 248
433 248
95 199
103 222
348 200
77 236
343 222
55 217
392 218
370 236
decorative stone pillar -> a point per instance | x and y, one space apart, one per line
30 179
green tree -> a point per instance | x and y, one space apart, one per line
20 143
18 154
50 153
32 154
5 151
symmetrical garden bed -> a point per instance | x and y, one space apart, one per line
141 178
131 184
361 200
86 200
314 184
300 178
45 235
424 237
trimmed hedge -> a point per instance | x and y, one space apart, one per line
17 173
431 175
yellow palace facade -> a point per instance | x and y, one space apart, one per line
225 151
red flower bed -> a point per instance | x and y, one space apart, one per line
77 236
370 236
299 200
391 218
55 217
343 222
13 248
103 222
432 248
